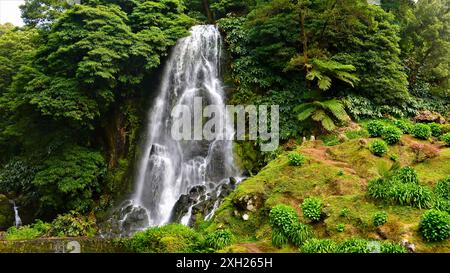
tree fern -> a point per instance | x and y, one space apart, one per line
323 112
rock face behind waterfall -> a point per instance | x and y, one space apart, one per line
175 179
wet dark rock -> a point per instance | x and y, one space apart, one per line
249 202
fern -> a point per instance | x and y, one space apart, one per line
325 113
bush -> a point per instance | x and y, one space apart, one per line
446 138
279 238
340 227
353 246
378 147
393 157
283 218
436 130
73 224
388 247
300 233
407 175
296 159
28 232
375 128
411 195
319 246
403 125
445 128
312 208
442 188
435 225
172 238
378 189
379 218
391 134
423 152
421 131
218 239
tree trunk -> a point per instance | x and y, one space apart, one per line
208 12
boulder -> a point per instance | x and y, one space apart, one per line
428 116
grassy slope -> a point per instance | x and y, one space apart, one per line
322 176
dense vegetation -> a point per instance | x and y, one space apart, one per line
75 79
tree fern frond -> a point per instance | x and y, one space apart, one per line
319 115
313 74
306 113
324 83
337 109
328 124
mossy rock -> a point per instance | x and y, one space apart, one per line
6 213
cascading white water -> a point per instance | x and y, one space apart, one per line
17 220
168 168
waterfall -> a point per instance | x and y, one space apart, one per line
174 174
17 220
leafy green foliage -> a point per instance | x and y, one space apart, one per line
436 130
378 147
403 125
172 238
435 225
283 218
70 179
375 128
406 175
340 227
312 208
403 191
353 245
446 138
300 233
421 130
391 134
388 247
218 239
28 232
379 218
319 246
296 159
327 113
73 224
442 188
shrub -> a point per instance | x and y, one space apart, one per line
28 232
319 246
403 125
423 152
407 175
379 218
172 238
353 246
300 233
391 134
218 239
442 188
375 128
378 147
446 138
378 189
388 247
73 224
411 195
296 159
436 130
435 225
340 173
278 237
421 131
283 218
312 208
340 227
